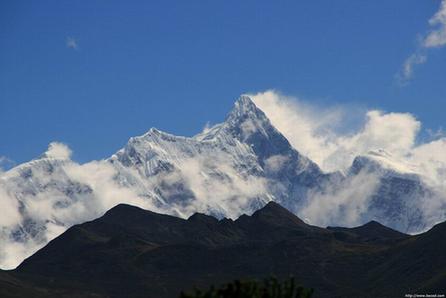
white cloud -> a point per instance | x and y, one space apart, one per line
314 131
276 162
317 132
435 38
230 195
344 204
56 194
72 43
305 126
10 211
248 127
58 150
407 71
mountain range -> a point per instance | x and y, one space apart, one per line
131 252
227 170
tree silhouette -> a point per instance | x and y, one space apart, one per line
269 288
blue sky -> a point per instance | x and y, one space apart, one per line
94 73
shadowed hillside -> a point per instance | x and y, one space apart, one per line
130 252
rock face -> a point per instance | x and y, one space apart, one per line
131 252
246 147
229 169
400 193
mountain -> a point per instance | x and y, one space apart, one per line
229 169
400 193
245 147
370 232
132 252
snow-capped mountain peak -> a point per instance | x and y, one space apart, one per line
244 120
231 168
385 163
246 143
244 107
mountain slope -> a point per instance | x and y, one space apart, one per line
229 169
400 194
246 147
372 231
136 253
232 168
422 260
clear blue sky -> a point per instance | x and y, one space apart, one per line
175 65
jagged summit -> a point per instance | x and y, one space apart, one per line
273 213
273 209
154 133
244 106
247 117
244 109
250 125
244 120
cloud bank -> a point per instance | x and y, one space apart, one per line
230 195
389 138
44 197
318 132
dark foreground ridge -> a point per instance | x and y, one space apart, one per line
131 252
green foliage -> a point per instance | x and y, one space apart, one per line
269 288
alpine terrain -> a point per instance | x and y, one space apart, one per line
227 170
